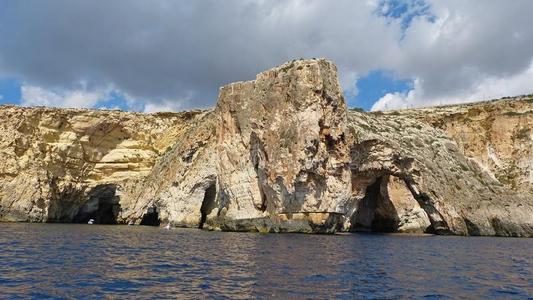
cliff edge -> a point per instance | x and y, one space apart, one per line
280 153
497 134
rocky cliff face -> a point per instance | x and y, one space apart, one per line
455 192
62 165
182 186
280 153
282 144
497 134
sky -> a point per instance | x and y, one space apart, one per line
165 55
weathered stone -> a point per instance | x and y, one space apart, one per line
280 153
411 217
309 222
281 142
389 206
452 189
497 134
56 163
183 182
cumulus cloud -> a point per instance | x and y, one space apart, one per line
166 105
38 96
176 54
483 89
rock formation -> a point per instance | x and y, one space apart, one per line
181 187
497 134
62 165
281 143
280 153
456 193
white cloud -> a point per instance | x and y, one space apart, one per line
483 89
38 96
1 97
109 108
348 81
84 98
164 105
169 104
199 46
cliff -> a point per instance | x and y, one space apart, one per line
497 134
280 153
56 161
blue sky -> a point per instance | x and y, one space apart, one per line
374 86
9 91
371 87
174 55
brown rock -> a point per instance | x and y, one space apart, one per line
280 153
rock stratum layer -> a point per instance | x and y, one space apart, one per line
280 153
497 134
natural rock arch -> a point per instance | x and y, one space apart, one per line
151 217
389 206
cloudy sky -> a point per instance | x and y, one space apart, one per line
163 55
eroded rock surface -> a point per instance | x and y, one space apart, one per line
456 193
281 142
63 165
280 153
183 183
497 134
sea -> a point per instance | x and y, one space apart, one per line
77 261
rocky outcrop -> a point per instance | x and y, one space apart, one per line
181 187
497 134
455 192
64 165
281 142
280 153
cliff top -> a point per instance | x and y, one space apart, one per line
517 104
93 111
295 64
506 103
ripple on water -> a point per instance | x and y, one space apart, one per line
80 261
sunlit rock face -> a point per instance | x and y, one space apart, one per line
287 144
456 193
65 165
280 153
282 144
182 186
497 134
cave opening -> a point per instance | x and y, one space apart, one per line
151 217
208 203
375 212
102 207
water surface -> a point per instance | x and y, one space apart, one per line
95 261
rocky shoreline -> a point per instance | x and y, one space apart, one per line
281 153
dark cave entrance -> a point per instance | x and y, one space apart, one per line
375 211
151 217
208 203
103 206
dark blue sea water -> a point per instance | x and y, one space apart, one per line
129 262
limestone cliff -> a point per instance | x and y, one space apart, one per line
182 185
56 163
455 192
497 134
280 153
282 143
